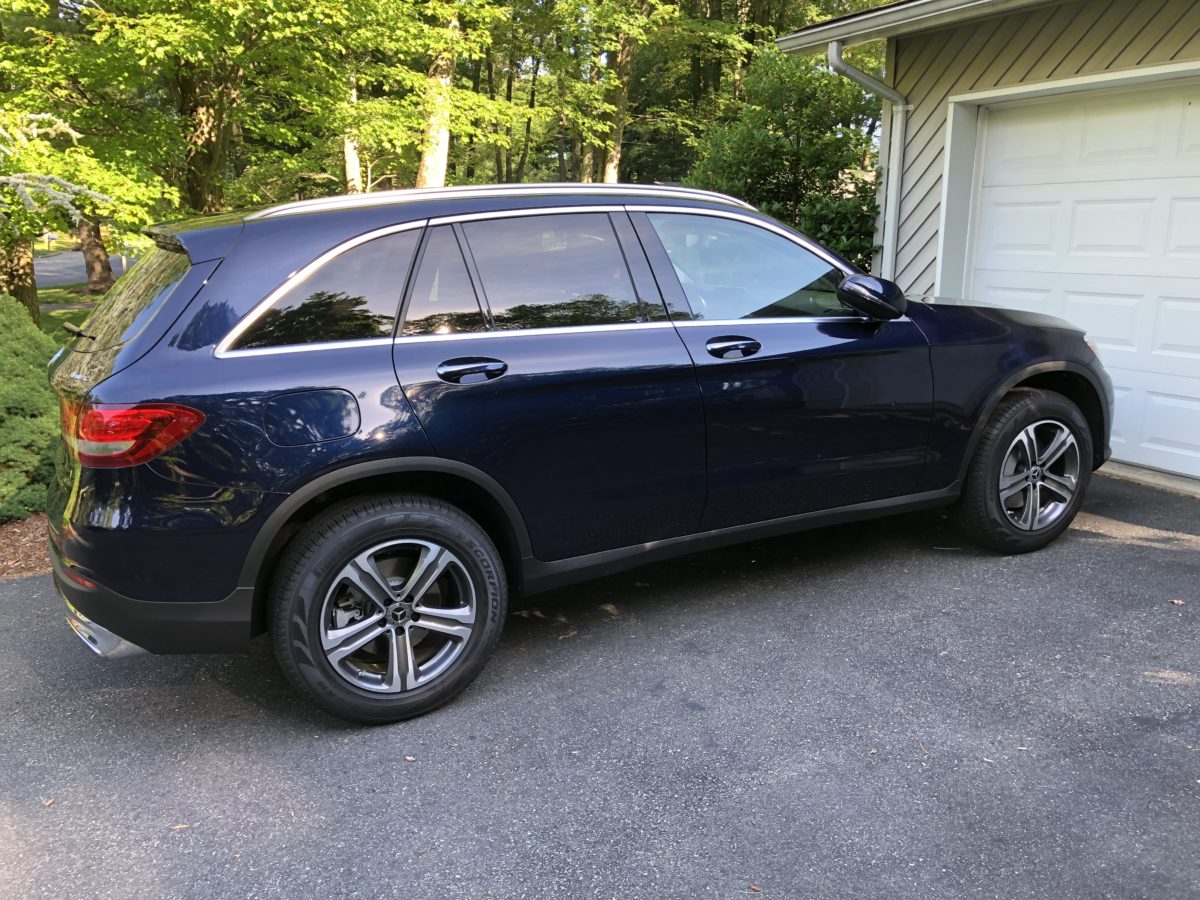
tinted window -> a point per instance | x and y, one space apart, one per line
553 270
134 300
733 270
442 300
355 295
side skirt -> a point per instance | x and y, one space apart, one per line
543 576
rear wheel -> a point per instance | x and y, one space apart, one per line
1027 479
385 608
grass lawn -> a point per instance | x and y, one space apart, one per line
52 321
67 242
67 293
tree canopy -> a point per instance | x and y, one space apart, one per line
127 111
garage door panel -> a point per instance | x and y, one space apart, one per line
1094 136
1157 421
1088 208
1183 228
1177 329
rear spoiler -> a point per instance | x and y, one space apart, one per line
202 239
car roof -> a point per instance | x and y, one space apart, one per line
470 192
326 221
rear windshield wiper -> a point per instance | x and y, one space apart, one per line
72 328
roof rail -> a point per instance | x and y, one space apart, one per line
412 195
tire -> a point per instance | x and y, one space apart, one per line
995 509
386 607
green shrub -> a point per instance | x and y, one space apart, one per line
28 413
800 149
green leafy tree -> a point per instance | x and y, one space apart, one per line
800 148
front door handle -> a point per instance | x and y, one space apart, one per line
470 369
732 347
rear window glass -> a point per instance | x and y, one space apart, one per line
553 270
124 312
353 296
443 301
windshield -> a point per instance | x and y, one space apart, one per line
133 301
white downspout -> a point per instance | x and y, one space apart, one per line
895 156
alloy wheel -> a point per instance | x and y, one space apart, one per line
1039 475
398 615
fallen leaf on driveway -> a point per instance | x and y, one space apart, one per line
410 759
1169 676
1176 602
49 802
755 889
180 827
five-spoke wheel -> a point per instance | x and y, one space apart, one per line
386 607
1039 475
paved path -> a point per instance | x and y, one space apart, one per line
57 269
874 710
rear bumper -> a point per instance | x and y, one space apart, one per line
115 625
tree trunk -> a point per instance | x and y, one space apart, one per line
587 164
622 64
435 149
520 173
205 104
17 278
95 257
351 163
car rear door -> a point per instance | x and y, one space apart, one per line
809 405
534 351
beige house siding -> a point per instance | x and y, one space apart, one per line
1032 46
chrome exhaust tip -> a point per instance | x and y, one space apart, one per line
99 640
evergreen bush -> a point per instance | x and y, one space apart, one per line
29 421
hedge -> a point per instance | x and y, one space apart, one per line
29 419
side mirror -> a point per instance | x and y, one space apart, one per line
872 297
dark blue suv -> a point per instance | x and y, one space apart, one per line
362 423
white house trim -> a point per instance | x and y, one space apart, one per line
964 129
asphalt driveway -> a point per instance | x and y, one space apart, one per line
869 711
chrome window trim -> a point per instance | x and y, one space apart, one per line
773 320
528 332
223 351
306 348
412 195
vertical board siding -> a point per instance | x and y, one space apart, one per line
1062 40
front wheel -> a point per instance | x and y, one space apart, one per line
384 608
1029 473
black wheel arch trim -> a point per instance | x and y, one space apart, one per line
1013 380
278 519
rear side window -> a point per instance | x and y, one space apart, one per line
552 271
353 296
134 300
442 300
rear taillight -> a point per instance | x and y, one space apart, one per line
112 435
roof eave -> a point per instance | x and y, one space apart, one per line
894 20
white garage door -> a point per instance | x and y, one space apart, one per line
1088 208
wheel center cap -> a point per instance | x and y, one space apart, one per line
397 613
1035 474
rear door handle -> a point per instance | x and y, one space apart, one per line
469 369
732 347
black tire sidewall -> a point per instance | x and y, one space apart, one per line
325 547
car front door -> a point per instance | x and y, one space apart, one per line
532 350
809 405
